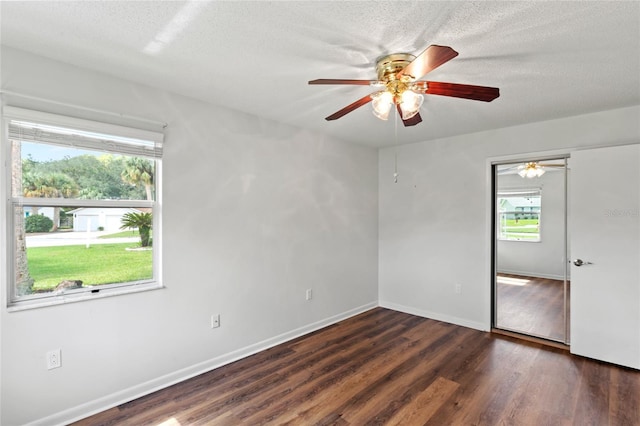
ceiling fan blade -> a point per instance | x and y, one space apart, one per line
411 121
346 110
432 57
339 81
466 91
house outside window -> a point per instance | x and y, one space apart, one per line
519 215
84 217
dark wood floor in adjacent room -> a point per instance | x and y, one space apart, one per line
532 305
389 368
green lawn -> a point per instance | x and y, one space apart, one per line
512 230
521 226
99 264
123 234
521 222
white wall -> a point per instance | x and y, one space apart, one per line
545 258
254 213
434 223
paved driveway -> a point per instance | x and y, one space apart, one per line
74 238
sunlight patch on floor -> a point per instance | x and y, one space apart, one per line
170 422
512 281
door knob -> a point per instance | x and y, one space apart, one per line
580 262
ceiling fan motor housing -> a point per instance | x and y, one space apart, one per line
389 65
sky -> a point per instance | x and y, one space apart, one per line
44 152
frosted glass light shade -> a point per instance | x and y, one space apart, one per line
411 103
382 102
531 170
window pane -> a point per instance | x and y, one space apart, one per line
82 203
65 248
519 217
53 171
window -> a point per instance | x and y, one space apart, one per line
84 211
519 215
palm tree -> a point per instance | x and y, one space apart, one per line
143 222
139 171
50 185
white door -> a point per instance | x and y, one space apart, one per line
605 231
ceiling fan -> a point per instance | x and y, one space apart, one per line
531 169
398 75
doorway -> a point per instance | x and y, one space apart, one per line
530 273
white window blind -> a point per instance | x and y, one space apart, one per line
519 192
35 126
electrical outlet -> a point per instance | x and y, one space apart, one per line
215 320
53 359
458 288
309 294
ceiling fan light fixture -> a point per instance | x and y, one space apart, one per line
410 103
382 102
531 170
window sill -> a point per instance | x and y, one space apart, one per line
520 241
81 296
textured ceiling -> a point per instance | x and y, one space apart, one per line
549 59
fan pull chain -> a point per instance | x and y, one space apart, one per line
395 171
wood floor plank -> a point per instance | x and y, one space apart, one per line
593 404
296 361
389 368
549 394
408 378
420 409
325 356
304 388
624 400
356 377
481 400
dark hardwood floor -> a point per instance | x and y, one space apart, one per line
389 368
531 305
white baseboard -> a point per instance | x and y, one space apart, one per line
113 400
533 274
435 316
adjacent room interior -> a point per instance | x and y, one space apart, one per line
320 213
532 286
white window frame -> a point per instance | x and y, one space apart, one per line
118 139
507 193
